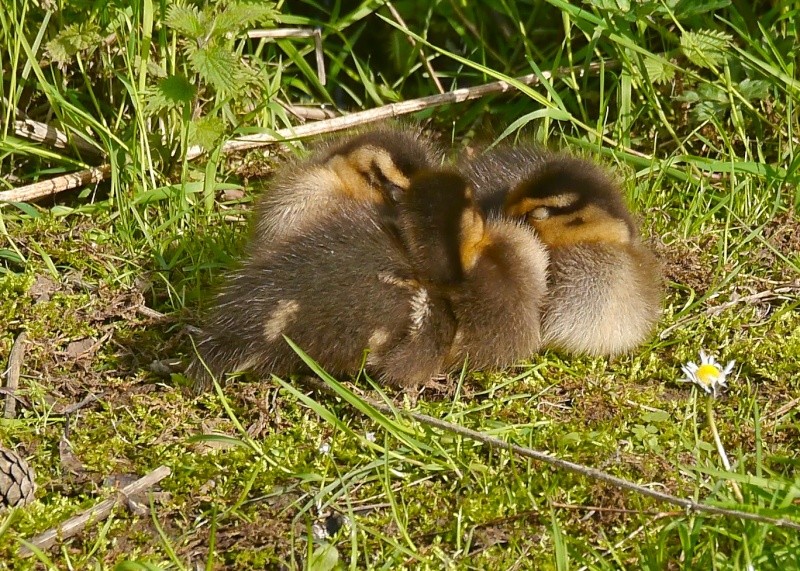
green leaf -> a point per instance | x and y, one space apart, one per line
691 8
656 416
221 439
657 71
186 20
172 92
73 39
239 15
137 566
206 131
219 67
11 256
706 48
324 558
754 89
27 209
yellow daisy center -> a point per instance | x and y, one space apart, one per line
707 374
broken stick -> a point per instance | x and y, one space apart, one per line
101 511
74 180
12 375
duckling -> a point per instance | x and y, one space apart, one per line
346 292
605 289
370 170
492 272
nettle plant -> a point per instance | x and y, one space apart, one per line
213 84
692 56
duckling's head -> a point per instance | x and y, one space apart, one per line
441 225
379 164
570 201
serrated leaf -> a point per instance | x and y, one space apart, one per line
708 110
712 92
219 67
239 15
172 92
187 20
657 71
73 39
206 131
155 70
754 89
705 48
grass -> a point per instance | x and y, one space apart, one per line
697 116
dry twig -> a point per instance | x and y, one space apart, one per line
56 185
310 113
589 472
49 135
12 374
74 180
101 511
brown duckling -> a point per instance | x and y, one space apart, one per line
493 272
369 170
605 287
346 292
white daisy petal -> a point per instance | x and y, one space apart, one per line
709 375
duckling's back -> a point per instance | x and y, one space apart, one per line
344 292
499 304
602 299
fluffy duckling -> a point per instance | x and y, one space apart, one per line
369 170
493 272
346 292
605 287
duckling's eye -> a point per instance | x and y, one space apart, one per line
394 191
539 213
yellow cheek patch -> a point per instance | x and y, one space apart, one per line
590 224
520 208
389 170
474 239
352 183
518 205
355 172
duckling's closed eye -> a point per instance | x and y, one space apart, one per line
391 190
539 213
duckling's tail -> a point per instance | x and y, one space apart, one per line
215 355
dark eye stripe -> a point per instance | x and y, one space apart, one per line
389 189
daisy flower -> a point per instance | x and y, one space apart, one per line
709 375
